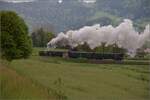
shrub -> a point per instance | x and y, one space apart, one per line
15 42
40 37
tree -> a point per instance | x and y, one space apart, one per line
14 39
40 37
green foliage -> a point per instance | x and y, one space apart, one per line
15 42
103 49
105 18
83 47
141 23
40 37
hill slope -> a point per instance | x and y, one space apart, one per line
72 14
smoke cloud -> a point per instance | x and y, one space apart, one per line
124 36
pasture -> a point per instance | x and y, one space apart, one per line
61 79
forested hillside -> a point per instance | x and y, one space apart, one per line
73 14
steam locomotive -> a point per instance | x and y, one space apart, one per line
88 55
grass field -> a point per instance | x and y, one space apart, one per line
56 78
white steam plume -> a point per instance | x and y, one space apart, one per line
124 36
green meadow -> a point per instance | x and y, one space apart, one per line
47 78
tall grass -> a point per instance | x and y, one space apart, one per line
46 78
16 87
85 81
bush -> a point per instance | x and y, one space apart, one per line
40 37
15 42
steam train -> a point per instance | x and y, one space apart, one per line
88 55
